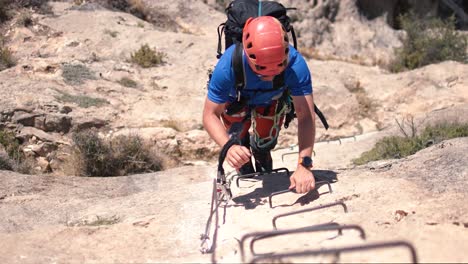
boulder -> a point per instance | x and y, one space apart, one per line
57 123
27 133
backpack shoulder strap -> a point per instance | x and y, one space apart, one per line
238 66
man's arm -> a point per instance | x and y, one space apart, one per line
237 155
302 178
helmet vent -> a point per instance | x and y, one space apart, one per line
252 56
249 45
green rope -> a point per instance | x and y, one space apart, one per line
266 142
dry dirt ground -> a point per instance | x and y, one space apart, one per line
159 217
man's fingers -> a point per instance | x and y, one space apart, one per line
293 183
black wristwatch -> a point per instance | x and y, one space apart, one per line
306 162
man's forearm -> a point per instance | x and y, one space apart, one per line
306 124
215 129
306 136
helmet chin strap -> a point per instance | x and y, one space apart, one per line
266 78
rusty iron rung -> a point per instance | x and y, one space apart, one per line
317 185
255 239
295 231
334 251
309 210
252 175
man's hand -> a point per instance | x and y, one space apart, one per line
302 179
237 156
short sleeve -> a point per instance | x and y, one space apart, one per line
298 77
221 84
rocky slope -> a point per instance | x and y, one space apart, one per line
67 79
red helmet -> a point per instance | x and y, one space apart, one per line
266 45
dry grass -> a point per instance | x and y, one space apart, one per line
118 156
25 19
6 58
127 82
4 10
76 74
366 104
395 147
147 57
83 101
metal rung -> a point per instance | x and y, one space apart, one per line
252 175
317 184
255 239
335 251
309 210
297 230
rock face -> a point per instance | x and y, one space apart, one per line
76 59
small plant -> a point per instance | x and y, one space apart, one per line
6 58
4 13
5 162
429 40
25 19
100 221
396 147
10 144
13 158
366 105
111 33
81 100
140 24
127 82
76 74
122 155
147 57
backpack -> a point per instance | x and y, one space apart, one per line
238 11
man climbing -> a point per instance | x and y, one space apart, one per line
266 54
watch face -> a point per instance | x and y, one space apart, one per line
307 161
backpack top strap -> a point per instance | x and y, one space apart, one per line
238 66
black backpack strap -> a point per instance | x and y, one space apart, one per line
321 116
293 33
220 35
238 66
278 81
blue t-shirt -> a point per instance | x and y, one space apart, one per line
221 88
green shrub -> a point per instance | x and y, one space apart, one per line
147 57
100 221
395 147
428 40
14 158
122 155
25 19
76 74
81 100
111 33
6 58
4 10
5 162
127 82
11 144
